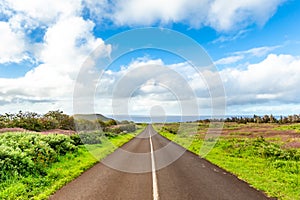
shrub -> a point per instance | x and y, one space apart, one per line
76 139
128 128
91 137
60 143
113 129
86 125
30 153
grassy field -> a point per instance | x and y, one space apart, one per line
265 155
63 170
295 127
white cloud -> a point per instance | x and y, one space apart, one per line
22 17
247 54
99 9
12 45
44 12
147 12
225 15
62 59
229 60
274 79
257 51
147 83
221 15
270 86
231 37
259 88
68 41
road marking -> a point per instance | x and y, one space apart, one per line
154 179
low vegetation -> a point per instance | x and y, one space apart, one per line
34 165
57 120
295 127
30 153
262 159
36 122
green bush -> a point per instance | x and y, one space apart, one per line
76 139
60 143
91 137
113 129
121 128
128 128
29 153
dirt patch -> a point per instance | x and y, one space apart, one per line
294 144
6 130
59 131
54 131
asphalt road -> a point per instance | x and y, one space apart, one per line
150 172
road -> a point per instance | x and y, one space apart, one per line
142 175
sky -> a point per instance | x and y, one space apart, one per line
253 46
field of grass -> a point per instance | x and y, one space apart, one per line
264 163
56 174
295 127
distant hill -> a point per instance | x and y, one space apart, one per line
91 117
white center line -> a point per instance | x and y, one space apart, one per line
154 179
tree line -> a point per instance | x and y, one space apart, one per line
265 119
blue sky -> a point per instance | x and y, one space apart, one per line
253 44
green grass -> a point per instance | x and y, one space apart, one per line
58 174
276 177
262 164
295 127
61 172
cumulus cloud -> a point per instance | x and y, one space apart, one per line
259 88
12 48
21 18
25 17
62 57
147 83
274 79
42 12
225 15
67 42
68 39
149 78
221 15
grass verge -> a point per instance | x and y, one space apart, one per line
262 164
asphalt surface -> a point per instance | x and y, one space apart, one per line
143 175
